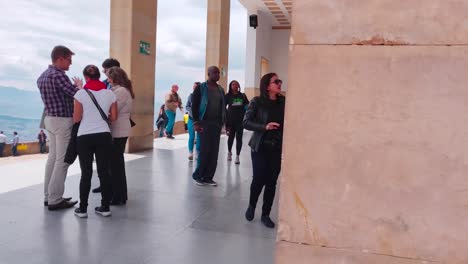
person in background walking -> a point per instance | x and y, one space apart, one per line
190 129
173 102
3 140
14 144
161 121
120 130
237 103
94 138
265 116
42 137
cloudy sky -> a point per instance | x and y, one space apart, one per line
30 28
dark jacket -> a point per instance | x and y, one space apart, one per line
256 119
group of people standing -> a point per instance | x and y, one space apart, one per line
91 119
210 108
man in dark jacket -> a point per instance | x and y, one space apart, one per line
208 111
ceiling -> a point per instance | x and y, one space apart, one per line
279 11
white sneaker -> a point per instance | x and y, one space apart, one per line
237 160
229 158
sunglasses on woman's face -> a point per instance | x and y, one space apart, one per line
277 81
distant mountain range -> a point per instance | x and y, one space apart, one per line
20 103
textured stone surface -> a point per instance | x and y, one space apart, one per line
382 166
217 38
380 21
133 21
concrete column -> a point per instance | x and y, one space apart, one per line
133 43
376 134
217 37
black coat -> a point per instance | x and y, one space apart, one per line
72 149
256 119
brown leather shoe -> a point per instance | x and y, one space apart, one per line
62 205
66 199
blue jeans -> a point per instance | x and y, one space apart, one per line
2 146
161 131
14 150
170 123
191 139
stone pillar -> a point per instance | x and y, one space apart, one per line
376 140
217 37
133 43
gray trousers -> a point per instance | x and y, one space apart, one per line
59 129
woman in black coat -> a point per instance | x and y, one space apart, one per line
265 116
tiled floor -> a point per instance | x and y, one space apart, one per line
168 219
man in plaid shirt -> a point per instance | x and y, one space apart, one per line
57 93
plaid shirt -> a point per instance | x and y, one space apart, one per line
57 92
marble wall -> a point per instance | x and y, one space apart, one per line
376 141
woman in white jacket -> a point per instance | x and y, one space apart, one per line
120 130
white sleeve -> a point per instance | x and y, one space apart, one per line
79 95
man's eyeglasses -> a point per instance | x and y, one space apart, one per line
277 81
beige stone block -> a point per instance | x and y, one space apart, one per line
287 253
217 37
380 21
133 21
140 143
376 151
251 92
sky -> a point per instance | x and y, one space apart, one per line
31 28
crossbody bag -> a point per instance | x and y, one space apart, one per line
103 115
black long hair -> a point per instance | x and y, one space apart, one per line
264 83
230 86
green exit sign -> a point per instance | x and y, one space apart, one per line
145 47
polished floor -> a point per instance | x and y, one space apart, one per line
168 219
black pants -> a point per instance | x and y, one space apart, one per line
236 130
266 168
100 145
42 147
117 169
2 146
209 149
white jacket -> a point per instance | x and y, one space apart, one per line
121 127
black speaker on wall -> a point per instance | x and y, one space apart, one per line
253 21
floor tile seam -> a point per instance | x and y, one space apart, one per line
238 234
185 196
